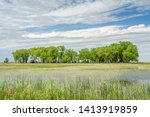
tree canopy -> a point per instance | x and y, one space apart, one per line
122 52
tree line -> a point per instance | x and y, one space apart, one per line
122 52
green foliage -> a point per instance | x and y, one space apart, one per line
122 52
21 56
61 51
75 90
43 54
84 55
34 55
130 54
52 54
6 60
69 56
94 55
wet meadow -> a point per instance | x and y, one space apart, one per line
74 81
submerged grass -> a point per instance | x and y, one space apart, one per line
96 82
74 90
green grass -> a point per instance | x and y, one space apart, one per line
74 82
32 66
75 90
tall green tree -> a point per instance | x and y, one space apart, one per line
124 51
130 54
94 55
84 55
43 54
16 56
61 51
34 55
52 54
21 55
70 56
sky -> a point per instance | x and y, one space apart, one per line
75 24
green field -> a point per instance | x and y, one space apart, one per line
75 81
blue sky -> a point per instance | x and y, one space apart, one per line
74 23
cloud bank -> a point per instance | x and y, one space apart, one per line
17 16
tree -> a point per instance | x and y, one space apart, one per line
94 55
61 51
43 54
16 57
130 54
124 51
25 55
121 47
6 60
52 54
21 55
115 52
34 55
70 56
84 55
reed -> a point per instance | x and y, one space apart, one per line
74 90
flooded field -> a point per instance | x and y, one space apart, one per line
85 81
73 71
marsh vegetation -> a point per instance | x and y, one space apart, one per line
75 81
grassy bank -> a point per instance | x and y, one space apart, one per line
75 90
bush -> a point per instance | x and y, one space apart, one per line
6 60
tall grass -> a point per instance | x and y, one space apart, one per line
74 90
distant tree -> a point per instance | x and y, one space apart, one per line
52 54
70 56
84 55
123 45
122 52
114 48
61 51
130 54
43 54
34 55
21 55
6 60
94 55
25 55
16 56
100 54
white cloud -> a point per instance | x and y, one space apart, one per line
94 32
84 9
17 15
28 13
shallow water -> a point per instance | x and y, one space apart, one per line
84 71
135 75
